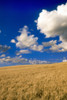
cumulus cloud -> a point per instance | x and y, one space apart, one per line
59 48
38 62
50 43
13 41
16 59
3 55
54 23
37 47
22 52
54 47
4 48
19 59
27 40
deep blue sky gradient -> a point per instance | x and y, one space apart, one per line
16 14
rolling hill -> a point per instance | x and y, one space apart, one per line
34 82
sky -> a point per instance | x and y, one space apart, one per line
33 32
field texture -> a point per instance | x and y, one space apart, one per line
34 82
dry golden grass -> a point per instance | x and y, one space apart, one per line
34 82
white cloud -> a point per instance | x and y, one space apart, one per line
38 62
50 43
35 21
53 46
13 41
3 55
37 47
54 23
59 47
22 52
26 40
56 48
20 59
8 57
20 56
64 60
16 59
4 48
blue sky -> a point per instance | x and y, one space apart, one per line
26 35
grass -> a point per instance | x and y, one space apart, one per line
34 82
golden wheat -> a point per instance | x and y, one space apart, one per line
34 82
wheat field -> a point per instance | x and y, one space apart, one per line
34 82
